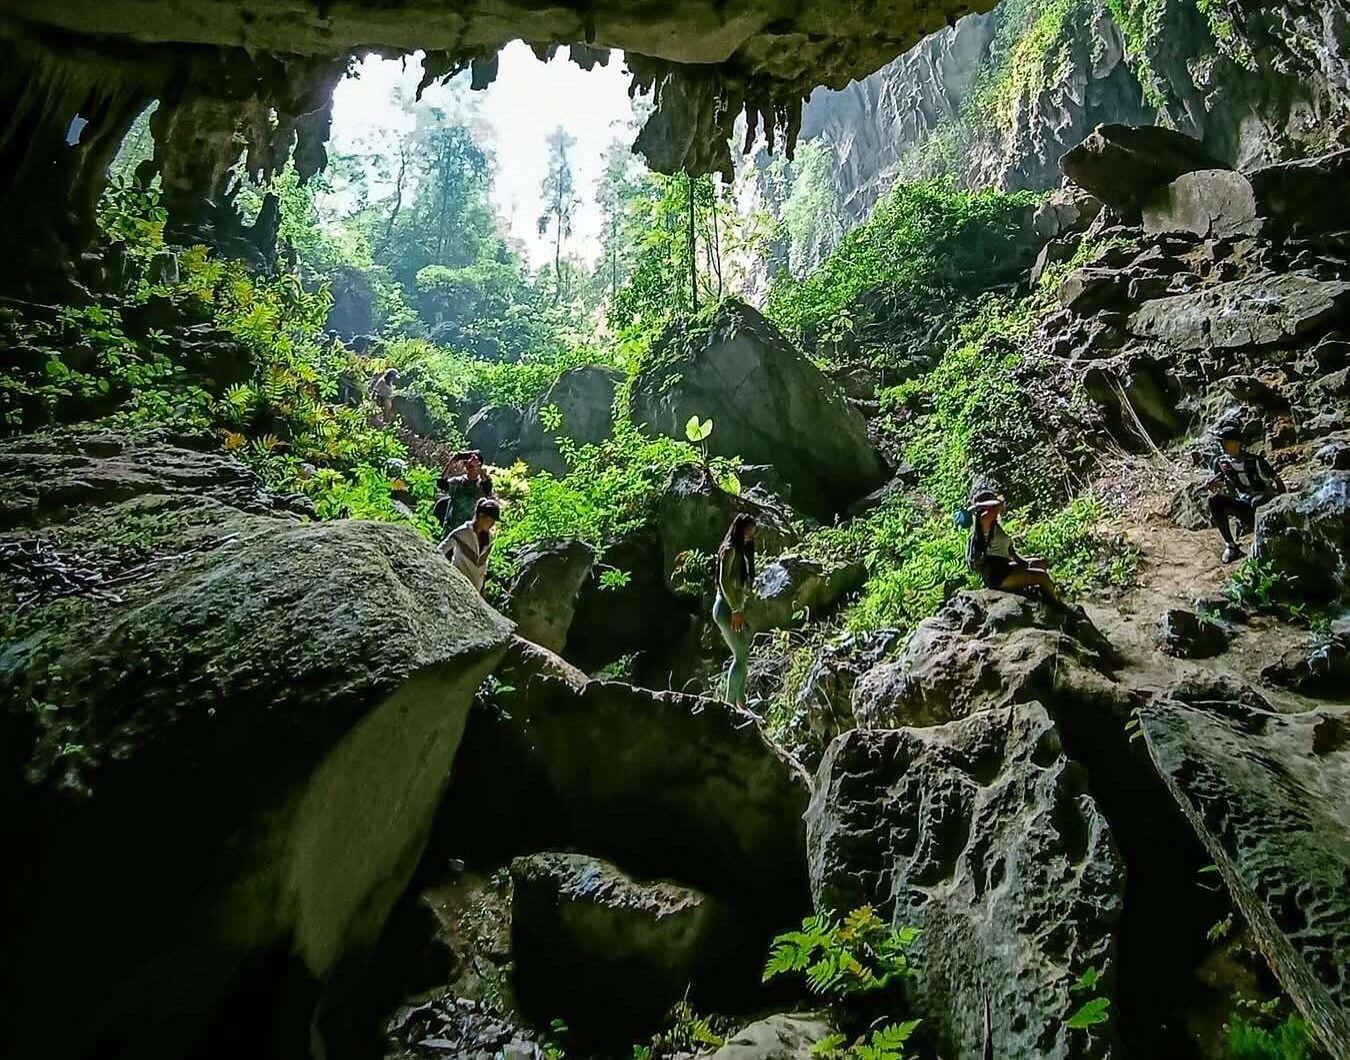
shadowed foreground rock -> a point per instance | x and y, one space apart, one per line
609 954
665 785
981 834
226 735
1269 796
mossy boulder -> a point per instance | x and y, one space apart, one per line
226 733
769 405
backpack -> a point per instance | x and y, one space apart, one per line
975 546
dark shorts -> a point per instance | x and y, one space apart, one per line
993 569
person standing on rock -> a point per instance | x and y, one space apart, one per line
735 577
1241 482
464 490
382 390
470 544
991 554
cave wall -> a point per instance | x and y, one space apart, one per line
1260 83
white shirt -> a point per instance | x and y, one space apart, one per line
462 546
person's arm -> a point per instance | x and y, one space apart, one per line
1269 471
487 485
731 587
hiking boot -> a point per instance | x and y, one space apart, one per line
1232 554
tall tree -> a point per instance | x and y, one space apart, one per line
560 198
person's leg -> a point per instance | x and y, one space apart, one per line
1218 515
1022 578
738 640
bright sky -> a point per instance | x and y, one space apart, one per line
528 101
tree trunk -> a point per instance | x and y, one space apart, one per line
398 194
693 247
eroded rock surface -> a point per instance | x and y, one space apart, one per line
1267 794
769 405
607 953
980 833
246 724
1304 537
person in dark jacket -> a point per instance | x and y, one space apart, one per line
991 554
1240 482
461 492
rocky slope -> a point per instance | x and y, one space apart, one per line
996 99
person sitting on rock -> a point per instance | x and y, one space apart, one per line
470 543
991 554
462 491
1241 482
735 577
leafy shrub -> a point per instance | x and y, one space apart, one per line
1256 1031
859 966
925 245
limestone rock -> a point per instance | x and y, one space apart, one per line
1308 198
1264 310
583 400
824 703
780 1037
981 834
794 589
1211 203
1267 795
667 785
1187 635
609 954
983 649
694 513
1125 165
253 769
769 404
1305 537
1320 669
1069 210
495 432
543 596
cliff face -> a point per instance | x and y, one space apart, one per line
996 99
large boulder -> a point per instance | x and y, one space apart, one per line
241 724
1265 310
1184 633
823 706
793 590
495 432
694 513
982 834
582 399
769 404
1304 538
1318 669
666 785
543 595
1125 165
1269 796
1210 203
983 649
1308 198
608 954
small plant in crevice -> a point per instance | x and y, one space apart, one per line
1093 1010
1257 1030
860 967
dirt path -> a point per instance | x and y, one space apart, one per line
1177 568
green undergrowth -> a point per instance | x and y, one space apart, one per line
924 246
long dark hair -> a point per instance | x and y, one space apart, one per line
741 545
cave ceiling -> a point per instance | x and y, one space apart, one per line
705 61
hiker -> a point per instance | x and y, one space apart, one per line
1241 482
470 543
382 390
991 554
735 577
462 490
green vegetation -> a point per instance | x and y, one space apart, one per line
859 966
1257 1031
925 246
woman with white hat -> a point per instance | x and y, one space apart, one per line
991 554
